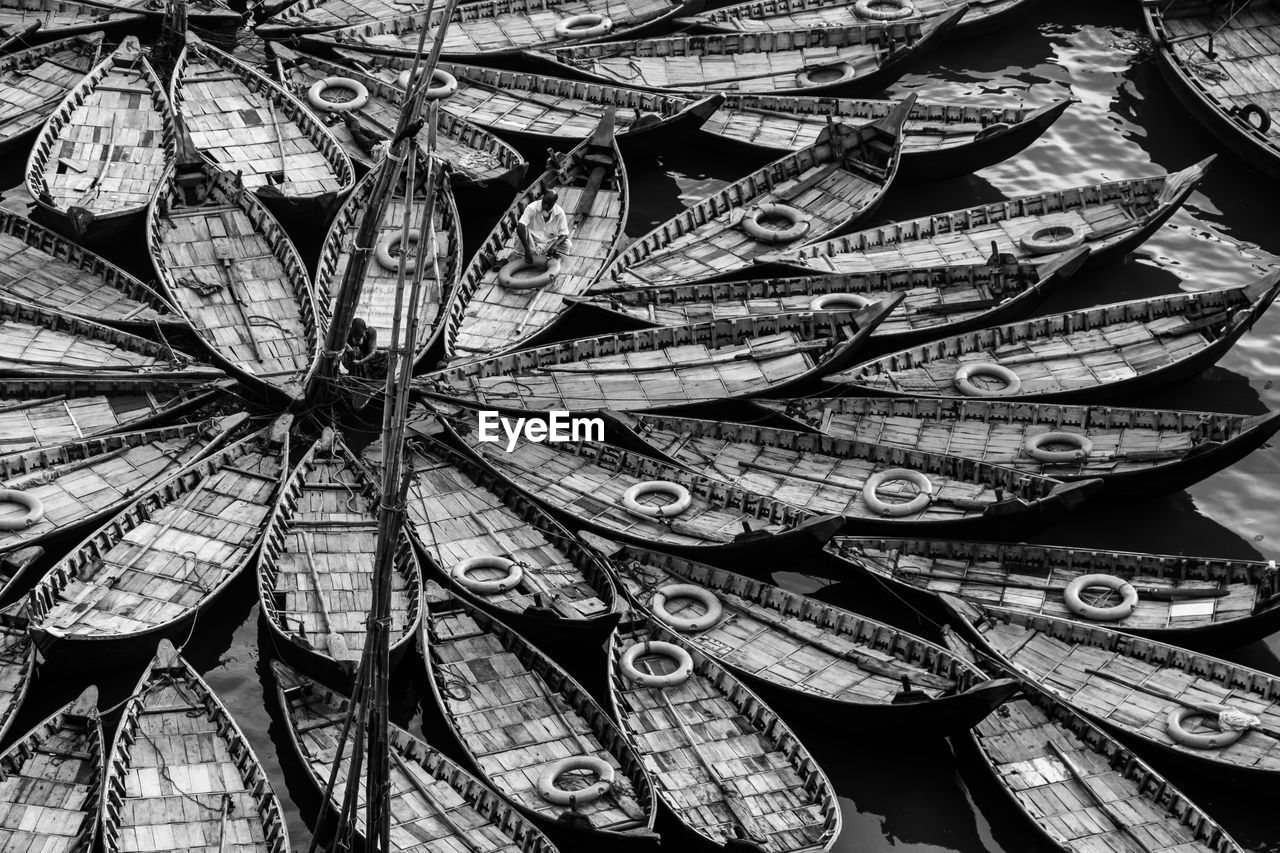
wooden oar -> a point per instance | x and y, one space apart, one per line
106 163
1102 803
1204 707
275 127
459 832
337 643
226 256
1154 593
222 823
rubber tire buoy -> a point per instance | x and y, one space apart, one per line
753 228
355 102
805 76
680 502
559 796
966 372
898 9
588 26
445 84
897 510
1045 240
687 623
1036 443
682 659
1114 613
34 513
515 573
839 302
1175 726
1264 117
386 260
507 275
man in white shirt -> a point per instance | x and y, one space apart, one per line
544 228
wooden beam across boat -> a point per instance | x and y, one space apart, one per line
24 23
36 79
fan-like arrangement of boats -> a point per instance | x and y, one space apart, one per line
181 768
1078 356
25 22
862 59
436 801
36 79
17 664
838 181
103 152
503 301
706 740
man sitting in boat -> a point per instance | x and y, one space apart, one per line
361 356
544 228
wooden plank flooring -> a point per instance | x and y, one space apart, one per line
56 419
766 15
17 662
35 80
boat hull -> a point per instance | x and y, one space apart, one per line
960 160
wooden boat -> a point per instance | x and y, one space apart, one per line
1210 57
1132 451
940 140
29 22
449 806
586 483
177 747
475 156
36 79
758 16
1110 218
40 267
854 60
706 740
204 13
498 306
235 276
153 569
935 300
51 781
664 367
17 665
528 728
1078 356
57 488
1190 601
377 305
102 154
243 122
1145 691
833 184
316 565
804 653
873 486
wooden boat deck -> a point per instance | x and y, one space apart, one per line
767 15
17 665
60 18
209 13
35 81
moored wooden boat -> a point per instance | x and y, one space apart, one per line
838 181
57 488
231 270
765 15
17 663
1133 451
51 781
862 59
30 22
707 739
940 140
315 569
36 79
181 768
664 367
565 756
502 303
447 805
153 569
813 656
1191 601
1079 355
1217 62
102 154
205 13
475 156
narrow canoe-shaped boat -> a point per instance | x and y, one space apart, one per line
35 81
435 801
206 13
874 487
156 565
861 60
476 156
51 781
1078 356
534 734
377 304
1133 451
1216 62
17 663
664 367
1191 601
57 488
706 740
1162 696
502 304
315 571
45 269
234 274
808 654
1111 219
28 22
935 300
243 122
180 768
103 153
940 140
766 15
838 181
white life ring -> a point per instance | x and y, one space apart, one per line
1081 450
34 513
1077 605
359 94
832 74
966 372
897 510
514 574
752 226
687 623
443 85
509 276
680 499
387 246
682 659
839 302
1175 725
1052 238
603 771
884 10
584 27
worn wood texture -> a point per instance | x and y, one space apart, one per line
35 80
208 13
17 664
766 15
61 18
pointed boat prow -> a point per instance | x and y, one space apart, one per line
167 656
892 122
85 705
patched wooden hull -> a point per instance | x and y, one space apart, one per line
18 656
205 13
765 15
33 23
36 79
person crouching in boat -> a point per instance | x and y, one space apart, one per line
543 228
361 357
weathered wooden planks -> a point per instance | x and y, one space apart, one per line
36 79
30 21
17 663
765 15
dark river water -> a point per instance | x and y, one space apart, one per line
900 793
